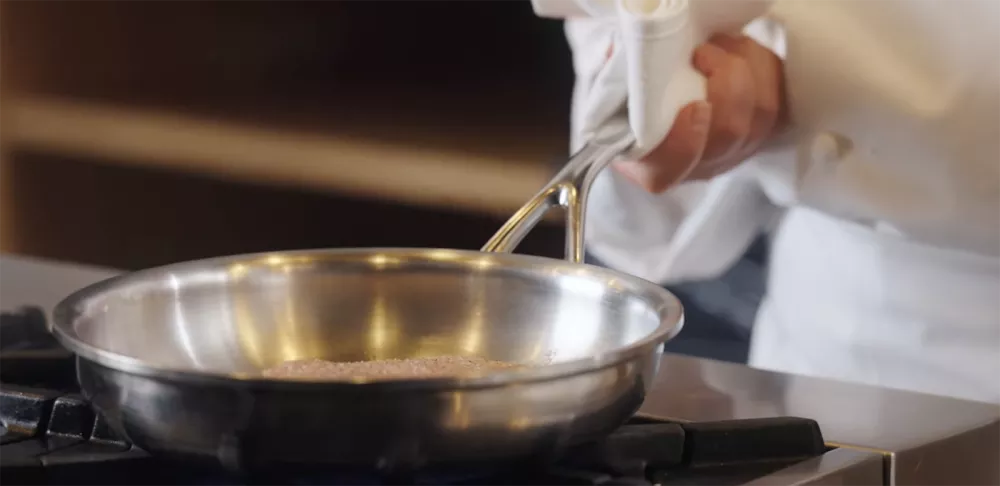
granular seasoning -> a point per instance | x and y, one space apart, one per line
388 369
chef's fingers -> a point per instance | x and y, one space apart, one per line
730 89
674 158
766 68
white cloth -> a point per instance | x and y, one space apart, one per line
648 77
886 267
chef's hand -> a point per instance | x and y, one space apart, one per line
745 106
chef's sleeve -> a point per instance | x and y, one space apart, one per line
694 231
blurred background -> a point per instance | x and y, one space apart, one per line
142 133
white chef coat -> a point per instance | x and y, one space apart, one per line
886 265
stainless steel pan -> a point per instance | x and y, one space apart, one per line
171 356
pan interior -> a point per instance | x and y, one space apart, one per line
243 314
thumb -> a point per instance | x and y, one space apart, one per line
678 154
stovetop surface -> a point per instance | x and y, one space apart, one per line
51 435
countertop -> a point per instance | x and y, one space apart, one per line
43 283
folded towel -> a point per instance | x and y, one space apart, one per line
649 77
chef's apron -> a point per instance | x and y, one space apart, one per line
846 301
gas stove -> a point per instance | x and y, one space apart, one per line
704 422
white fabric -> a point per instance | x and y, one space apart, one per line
648 77
885 269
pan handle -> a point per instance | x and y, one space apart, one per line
569 189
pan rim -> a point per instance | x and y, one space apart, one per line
664 303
